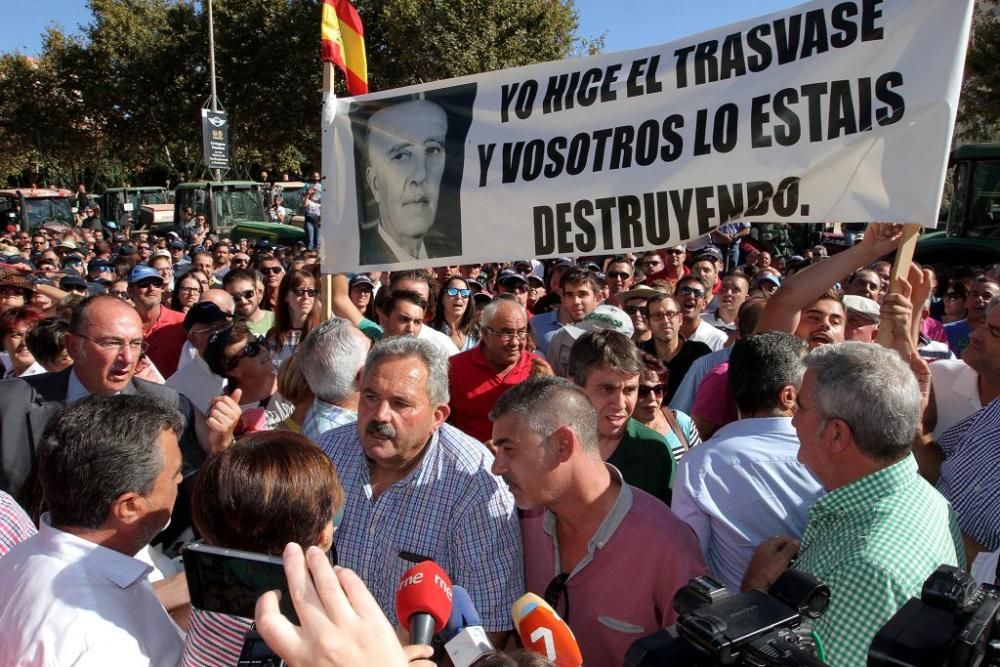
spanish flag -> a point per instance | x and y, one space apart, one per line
343 43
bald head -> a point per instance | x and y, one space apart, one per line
105 342
220 298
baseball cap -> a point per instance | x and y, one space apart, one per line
177 244
604 316
864 307
563 261
709 252
362 279
141 272
532 278
770 278
160 253
508 276
204 312
66 244
638 292
101 265
68 282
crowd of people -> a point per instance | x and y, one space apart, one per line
596 431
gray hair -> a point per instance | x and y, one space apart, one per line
761 366
433 359
491 310
873 391
95 450
330 358
546 403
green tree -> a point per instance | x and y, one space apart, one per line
979 109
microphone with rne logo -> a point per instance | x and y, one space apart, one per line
464 636
423 601
542 631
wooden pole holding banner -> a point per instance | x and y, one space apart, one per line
326 279
900 267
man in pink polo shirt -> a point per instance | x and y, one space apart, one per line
608 557
478 377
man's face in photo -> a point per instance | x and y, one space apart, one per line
406 154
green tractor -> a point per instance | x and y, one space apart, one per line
29 208
234 209
971 234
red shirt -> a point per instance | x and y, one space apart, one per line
475 386
165 339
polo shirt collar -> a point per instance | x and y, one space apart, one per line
868 490
614 518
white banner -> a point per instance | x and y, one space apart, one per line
825 112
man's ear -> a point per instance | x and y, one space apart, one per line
565 440
787 398
840 436
372 180
128 509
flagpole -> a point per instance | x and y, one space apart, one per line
326 280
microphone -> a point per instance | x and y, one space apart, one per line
423 601
464 636
542 631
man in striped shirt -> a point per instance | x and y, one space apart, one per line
881 529
15 526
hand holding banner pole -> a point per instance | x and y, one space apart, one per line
900 267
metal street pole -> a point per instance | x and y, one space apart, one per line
211 69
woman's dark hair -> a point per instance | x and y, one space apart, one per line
215 350
47 341
468 319
264 491
282 315
175 302
652 364
21 315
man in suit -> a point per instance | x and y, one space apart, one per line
105 342
406 160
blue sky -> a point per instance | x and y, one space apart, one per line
628 24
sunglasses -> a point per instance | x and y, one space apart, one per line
249 351
305 291
555 591
674 251
619 274
458 291
690 291
121 295
245 295
272 270
517 289
150 282
647 389
637 310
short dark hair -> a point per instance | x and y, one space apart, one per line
396 296
235 275
605 348
264 491
97 449
578 275
761 366
47 341
691 278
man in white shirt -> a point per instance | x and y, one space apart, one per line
692 295
403 315
195 379
746 484
74 594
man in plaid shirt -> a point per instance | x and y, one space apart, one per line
881 529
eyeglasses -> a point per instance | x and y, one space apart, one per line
637 310
554 591
146 283
121 295
190 290
674 251
72 262
463 292
245 295
645 264
271 270
647 389
507 335
305 291
690 291
249 351
144 247
619 274
656 317
117 344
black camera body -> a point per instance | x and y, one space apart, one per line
717 627
955 623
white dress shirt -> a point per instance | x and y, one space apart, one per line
68 601
438 339
741 487
709 335
956 393
196 381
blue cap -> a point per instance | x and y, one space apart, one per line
141 272
101 265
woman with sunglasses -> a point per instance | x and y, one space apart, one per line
954 302
676 427
297 313
187 292
241 358
266 490
456 314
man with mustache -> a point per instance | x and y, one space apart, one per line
418 488
406 159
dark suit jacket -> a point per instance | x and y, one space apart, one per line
27 404
375 251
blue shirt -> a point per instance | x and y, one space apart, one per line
741 487
958 336
323 417
545 326
970 474
450 508
683 399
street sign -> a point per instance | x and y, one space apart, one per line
215 138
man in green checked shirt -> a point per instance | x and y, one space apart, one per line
881 529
